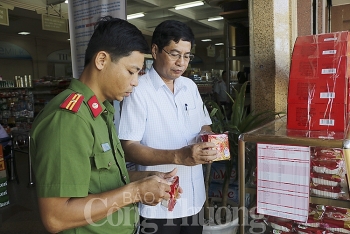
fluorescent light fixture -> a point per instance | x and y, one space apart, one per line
134 16
206 40
66 1
216 18
24 33
220 43
188 5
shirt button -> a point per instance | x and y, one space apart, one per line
124 177
109 164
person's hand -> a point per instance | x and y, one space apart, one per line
152 189
167 176
200 153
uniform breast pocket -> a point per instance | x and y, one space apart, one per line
105 173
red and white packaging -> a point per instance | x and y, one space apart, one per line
317 116
221 144
174 192
330 153
328 166
284 225
335 192
326 91
325 179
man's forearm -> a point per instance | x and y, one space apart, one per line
147 156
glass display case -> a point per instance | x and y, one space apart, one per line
277 133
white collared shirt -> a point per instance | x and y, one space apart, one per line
161 119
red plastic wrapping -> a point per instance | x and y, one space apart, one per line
318 94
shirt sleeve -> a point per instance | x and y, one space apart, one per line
133 117
61 146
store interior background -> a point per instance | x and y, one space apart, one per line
244 31
50 51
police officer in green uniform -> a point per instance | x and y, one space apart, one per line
82 182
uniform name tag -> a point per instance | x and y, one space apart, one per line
105 147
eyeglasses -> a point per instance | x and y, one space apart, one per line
176 56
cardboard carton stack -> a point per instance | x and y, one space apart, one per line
4 198
318 92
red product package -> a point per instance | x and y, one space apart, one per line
174 187
221 143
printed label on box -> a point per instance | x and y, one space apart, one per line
318 90
319 117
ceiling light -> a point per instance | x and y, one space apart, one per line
188 5
24 33
217 44
206 40
134 16
215 18
66 1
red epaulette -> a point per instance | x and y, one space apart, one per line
95 106
73 102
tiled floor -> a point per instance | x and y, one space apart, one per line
22 215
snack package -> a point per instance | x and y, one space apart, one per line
170 204
221 143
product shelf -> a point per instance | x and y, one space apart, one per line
276 132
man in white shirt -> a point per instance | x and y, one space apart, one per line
159 124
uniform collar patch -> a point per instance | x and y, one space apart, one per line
94 106
72 102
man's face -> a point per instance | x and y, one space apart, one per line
120 77
167 67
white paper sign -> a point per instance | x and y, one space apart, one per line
283 181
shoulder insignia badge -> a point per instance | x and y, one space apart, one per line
95 106
73 102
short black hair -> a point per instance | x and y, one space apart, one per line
172 30
117 37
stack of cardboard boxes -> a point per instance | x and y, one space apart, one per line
4 198
318 95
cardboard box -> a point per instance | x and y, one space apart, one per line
308 39
318 90
221 143
321 50
316 68
317 117
333 37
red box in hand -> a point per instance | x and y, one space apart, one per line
221 144
174 192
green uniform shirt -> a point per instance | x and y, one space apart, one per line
76 153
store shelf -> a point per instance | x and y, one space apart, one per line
45 91
276 132
17 107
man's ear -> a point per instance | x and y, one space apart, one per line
101 59
154 50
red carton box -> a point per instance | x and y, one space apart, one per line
333 49
318 90
333 37
221 143
309 39
317 117
312 68
174 192
321 50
